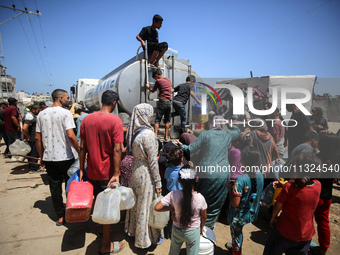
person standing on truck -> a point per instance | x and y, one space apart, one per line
150 34
163 84
183 90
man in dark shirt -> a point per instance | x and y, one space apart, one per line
150 34
303 125
3 105
12 121
184 91
163 84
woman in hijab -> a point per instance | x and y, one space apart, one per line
187 138
319 121
213 145
145 179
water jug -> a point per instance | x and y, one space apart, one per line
209 233
17 158
75 153
73 168
277 169
75 176
206 246
277 191
158 219
268 194
20 148
127 198
79 202
107 209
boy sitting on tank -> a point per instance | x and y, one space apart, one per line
150 34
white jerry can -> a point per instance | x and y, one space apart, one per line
207 242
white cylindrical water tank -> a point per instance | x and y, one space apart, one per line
129 83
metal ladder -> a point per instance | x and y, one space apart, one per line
149 68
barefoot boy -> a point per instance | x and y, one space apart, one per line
150 34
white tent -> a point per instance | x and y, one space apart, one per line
266 83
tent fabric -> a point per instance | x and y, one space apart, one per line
264 83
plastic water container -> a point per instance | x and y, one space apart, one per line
209 233
20 147
158 219
127 198
206 246
107 207
75 176
79 202
75 153
17 158
268 194
277 169
277 191
73 168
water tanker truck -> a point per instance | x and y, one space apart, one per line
128 81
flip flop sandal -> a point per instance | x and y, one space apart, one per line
160 240
57 223
116 249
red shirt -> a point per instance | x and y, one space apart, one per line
278 129
8 113
299 203
100 132
165 89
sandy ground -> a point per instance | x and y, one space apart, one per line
28 222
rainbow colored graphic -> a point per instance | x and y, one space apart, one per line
209 93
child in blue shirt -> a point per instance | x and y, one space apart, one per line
175 156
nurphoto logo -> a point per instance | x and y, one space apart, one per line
239 99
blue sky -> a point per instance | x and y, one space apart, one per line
88 38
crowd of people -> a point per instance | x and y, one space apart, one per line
134 156
14 125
